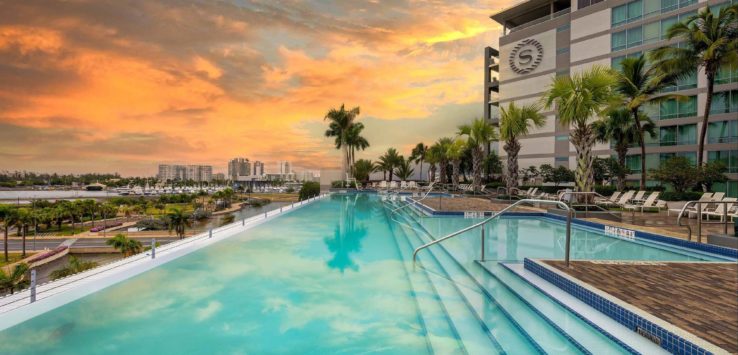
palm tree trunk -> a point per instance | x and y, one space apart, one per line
477 168
512 148
344 160
583 139
642 144
705 117
432 172
443 167
5 242
455 177
622 151
24 229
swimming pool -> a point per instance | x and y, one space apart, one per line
334 276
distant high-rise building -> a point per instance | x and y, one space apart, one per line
258 168
285 167
174 172
239 168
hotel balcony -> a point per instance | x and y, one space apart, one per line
529 13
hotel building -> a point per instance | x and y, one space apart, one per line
173 172
239 169
545 38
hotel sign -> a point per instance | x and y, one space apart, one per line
526 56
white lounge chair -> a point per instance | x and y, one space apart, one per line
412 185
707 196
393 185
718 196
648 203
403 185
638 197
624 198
383 184
720 209
608 201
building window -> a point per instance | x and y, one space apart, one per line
562 137
627 38
633 162
678 135
722 132
691 156
724 102
672 108
638 9
726 74
729 187
615 61
728 157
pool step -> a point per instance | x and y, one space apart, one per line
541 331
476 336
440 332
568 322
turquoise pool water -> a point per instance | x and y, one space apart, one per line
326 278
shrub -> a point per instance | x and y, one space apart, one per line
680 196
605 190
679 172
152 224
290 190
309 189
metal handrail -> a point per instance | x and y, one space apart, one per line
498 214
723 219
586 205
430 188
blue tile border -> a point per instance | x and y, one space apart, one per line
580 316
667 340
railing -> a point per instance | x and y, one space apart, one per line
586 205
51 288
498 214
430 188
699 211
541 19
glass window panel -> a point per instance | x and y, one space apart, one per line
633 162
615 63
618 40
635 10
651 7
666 23
723 75
666 156
651 32
652 161
668 109
668 136
689 82
691 156
734 101
685 16
635 36
683 3
687 107
687 134
668 5
619 15
720 102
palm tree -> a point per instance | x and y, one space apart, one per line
516 121
8 215
418 155
433 157
391 158
178 220
355 141
125 245
618 128
579 99
23 220
455 152
340 125
15 280
706 42
404 171
74 266
443 145
362 169
479 135
639 84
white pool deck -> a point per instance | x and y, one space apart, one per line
18 307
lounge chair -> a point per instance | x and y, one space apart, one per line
718 196
525 194
412 185
707 196
608 201
383 184
403 185
720 209
393 185
650 202
638 197
625 198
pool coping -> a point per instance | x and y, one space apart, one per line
17 308
671 337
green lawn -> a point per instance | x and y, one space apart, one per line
12 257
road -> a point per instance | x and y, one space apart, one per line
51 243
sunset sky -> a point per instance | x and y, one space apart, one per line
119 86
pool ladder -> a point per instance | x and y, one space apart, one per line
497 215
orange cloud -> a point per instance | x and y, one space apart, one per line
203 83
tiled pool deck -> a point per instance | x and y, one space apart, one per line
700 298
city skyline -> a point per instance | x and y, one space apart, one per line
102 87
